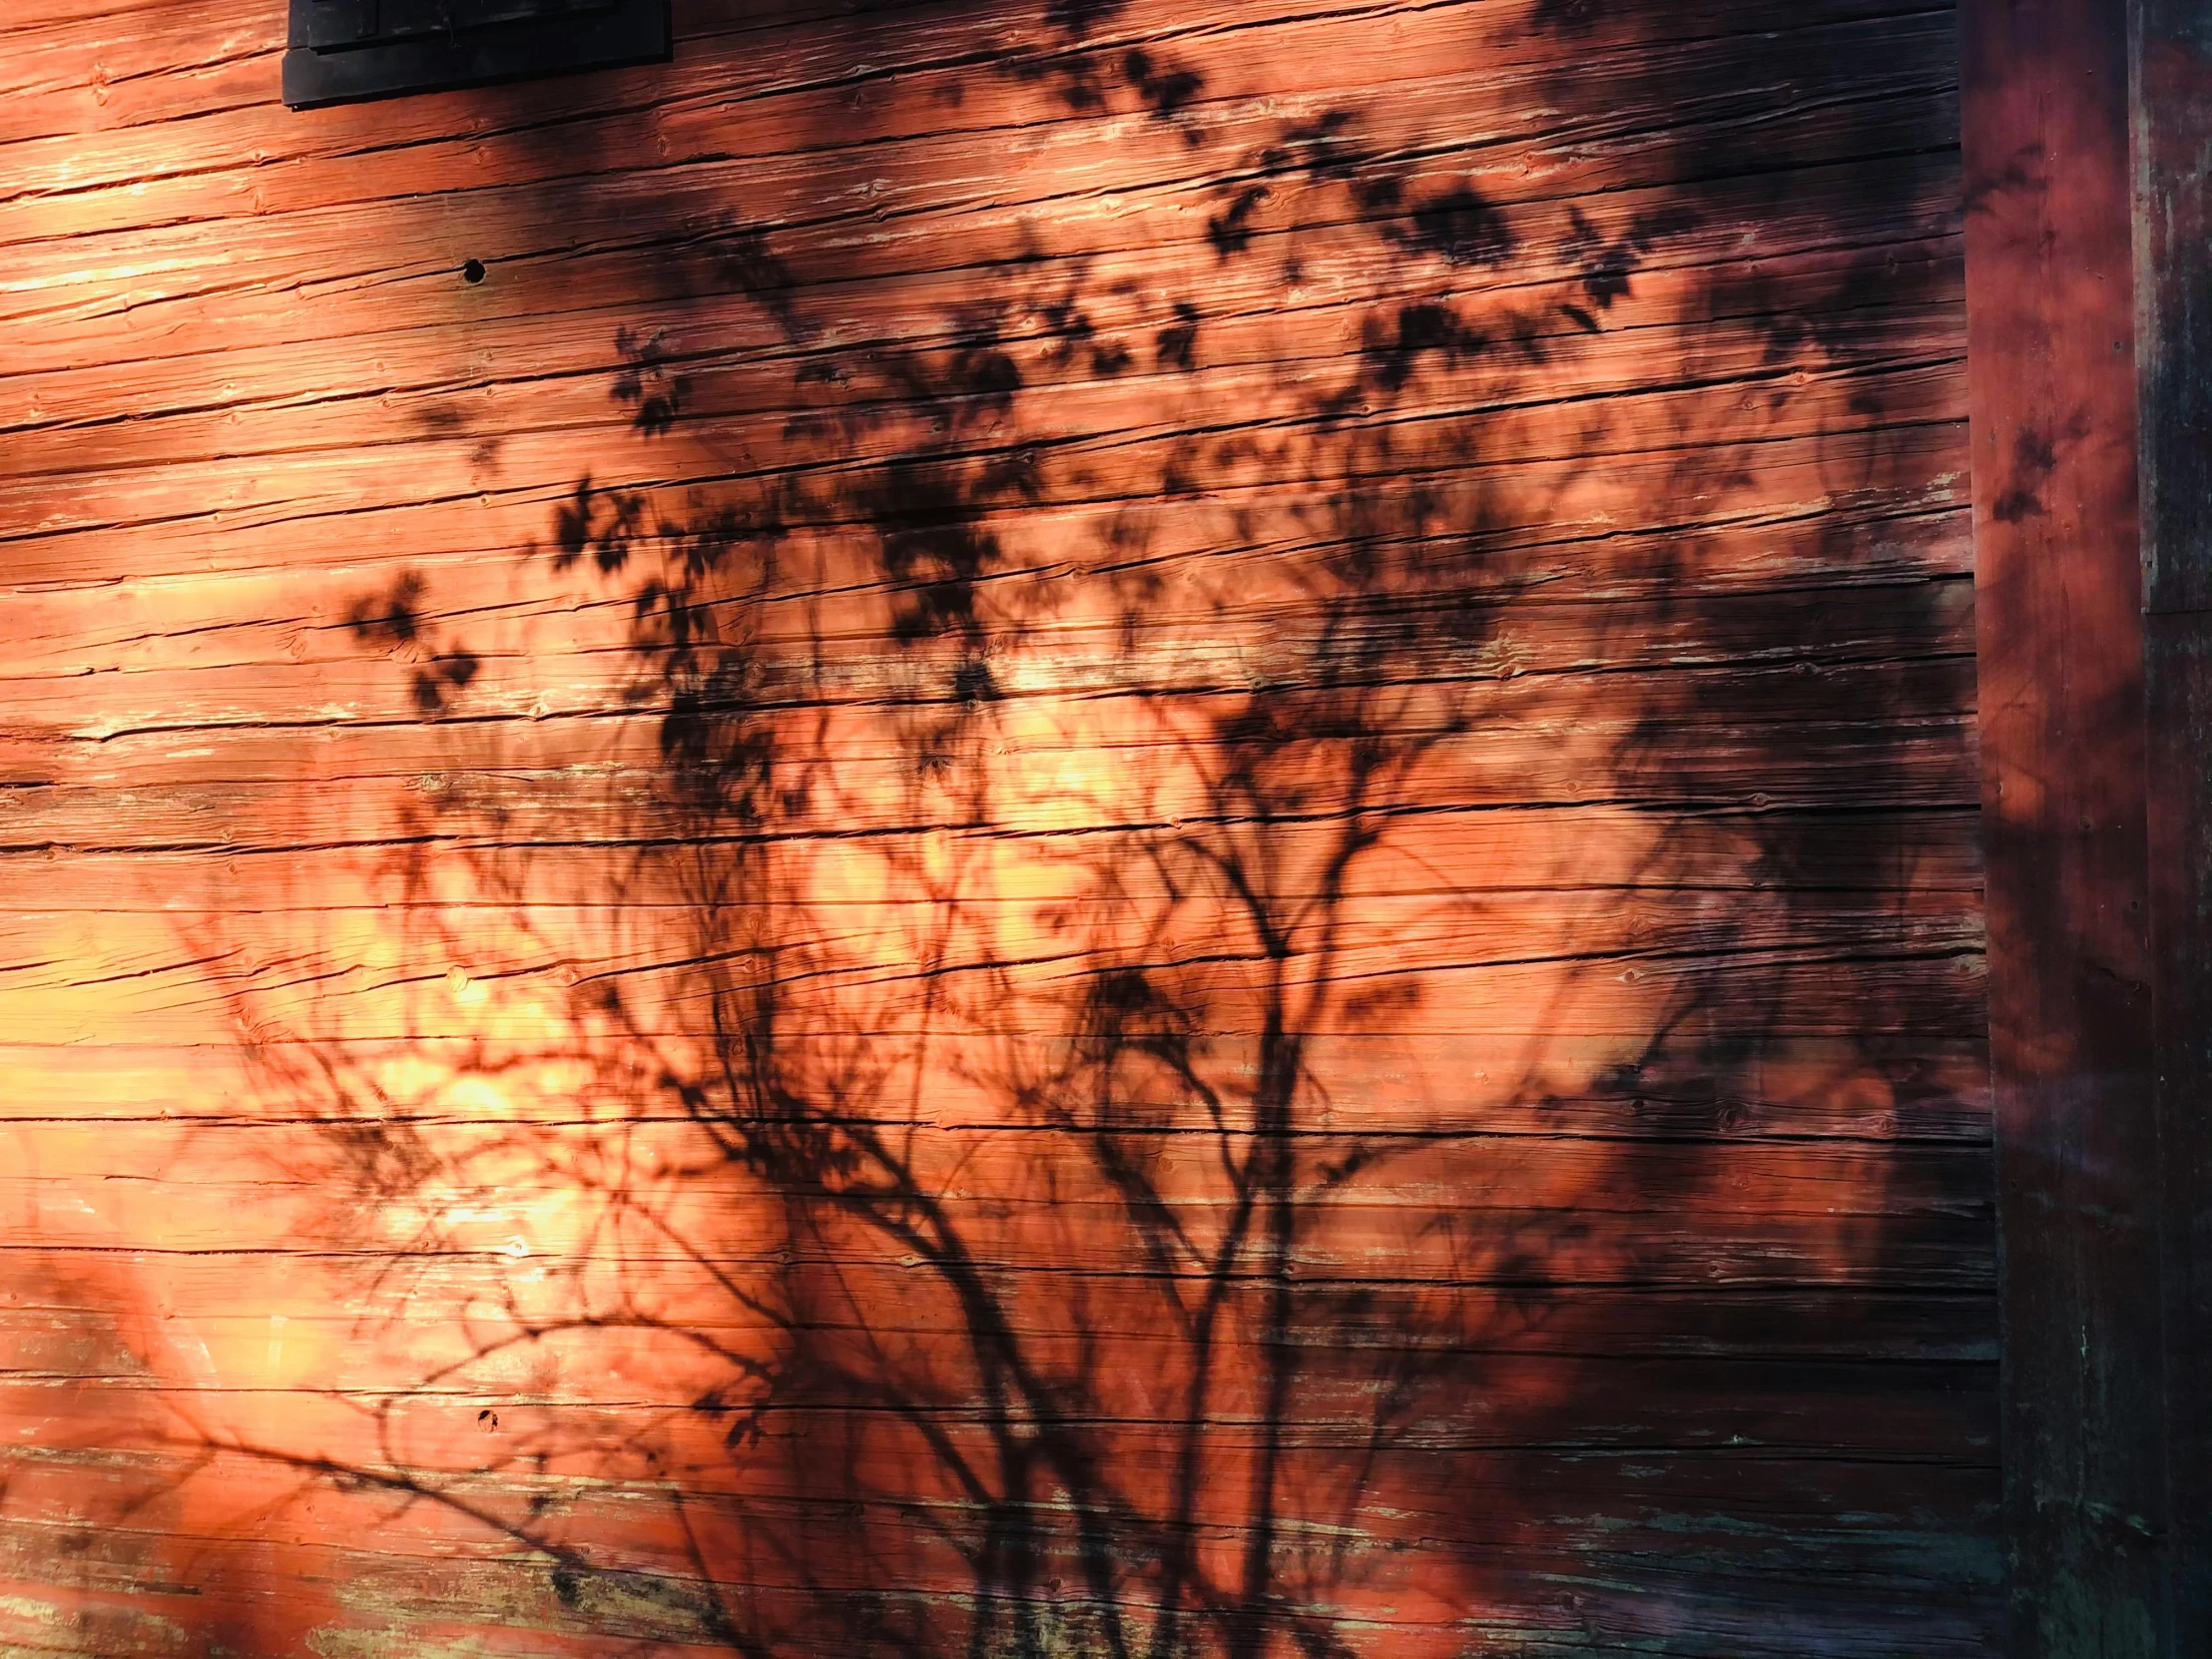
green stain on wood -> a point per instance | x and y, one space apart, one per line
2079 1619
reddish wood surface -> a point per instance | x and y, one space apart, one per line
2085 147
1099 829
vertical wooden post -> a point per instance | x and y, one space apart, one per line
2173 241
2089 316
2051 391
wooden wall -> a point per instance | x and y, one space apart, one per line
1098 828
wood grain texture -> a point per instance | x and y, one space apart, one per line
1096 830
2052 313
2174 350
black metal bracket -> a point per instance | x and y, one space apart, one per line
345 50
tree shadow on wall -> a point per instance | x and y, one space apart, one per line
1055 1089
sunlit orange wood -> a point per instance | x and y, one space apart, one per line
1097 828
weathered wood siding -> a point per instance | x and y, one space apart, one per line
1095 828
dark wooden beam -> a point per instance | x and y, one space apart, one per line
2173 147
2090 302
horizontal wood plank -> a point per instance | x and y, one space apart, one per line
1100 827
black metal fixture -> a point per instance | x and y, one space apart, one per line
344 50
